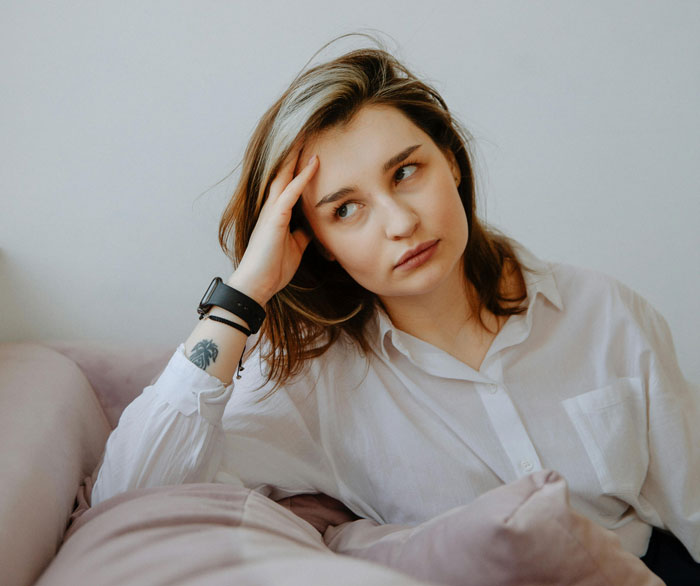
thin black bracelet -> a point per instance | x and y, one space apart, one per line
238 327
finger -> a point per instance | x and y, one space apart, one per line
285 173
296 186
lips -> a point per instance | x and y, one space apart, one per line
415 251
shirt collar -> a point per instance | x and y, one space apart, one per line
538 280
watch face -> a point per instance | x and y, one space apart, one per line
204 303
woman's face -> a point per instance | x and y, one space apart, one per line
384 189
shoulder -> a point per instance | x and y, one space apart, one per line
585 282
339 366
590 291
331 369
586 285
587 293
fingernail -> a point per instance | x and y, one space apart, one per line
312 160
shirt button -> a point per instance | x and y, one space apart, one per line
493 389
526 465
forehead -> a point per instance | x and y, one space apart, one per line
374 130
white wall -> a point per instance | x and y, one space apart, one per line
118 116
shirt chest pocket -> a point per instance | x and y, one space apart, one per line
611 423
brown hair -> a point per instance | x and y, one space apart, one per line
322 301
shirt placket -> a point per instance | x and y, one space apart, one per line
506 421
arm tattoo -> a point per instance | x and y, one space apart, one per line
203 353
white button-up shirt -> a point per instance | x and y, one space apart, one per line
586 382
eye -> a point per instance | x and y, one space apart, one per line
402 167
345 210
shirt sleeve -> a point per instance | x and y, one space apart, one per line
671 490
170 434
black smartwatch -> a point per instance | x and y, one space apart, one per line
220 294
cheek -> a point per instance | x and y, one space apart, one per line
360 257
452 211
353 258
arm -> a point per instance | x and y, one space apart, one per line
671 488
171 433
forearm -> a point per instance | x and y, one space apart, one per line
159 440
217 347
155 445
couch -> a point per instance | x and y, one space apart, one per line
60 399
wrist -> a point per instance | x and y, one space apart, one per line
221 312
245 286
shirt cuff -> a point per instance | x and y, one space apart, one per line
188 388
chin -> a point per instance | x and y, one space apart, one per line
421 284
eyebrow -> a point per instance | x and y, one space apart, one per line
395 160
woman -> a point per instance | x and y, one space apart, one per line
409 357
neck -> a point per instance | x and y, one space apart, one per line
446 316
440 316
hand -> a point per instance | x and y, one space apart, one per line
274 252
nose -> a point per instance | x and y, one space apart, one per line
400 219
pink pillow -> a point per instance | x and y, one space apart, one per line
203 534
118 372
520 534
523 534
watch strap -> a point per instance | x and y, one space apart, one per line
220 294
